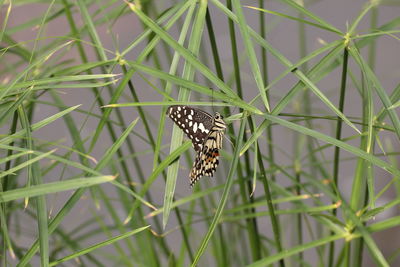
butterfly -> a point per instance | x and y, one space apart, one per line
206 133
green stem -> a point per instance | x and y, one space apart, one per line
337 150
227 113
234 52
307 109
267 191
299 219
252 223
359 243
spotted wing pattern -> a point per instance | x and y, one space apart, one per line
206 133
207 159
195 123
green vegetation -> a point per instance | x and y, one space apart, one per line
93 175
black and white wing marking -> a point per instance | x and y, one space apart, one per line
207 158
195 123
206 133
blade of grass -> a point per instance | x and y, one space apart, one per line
395 105
354 222
128 74
59 79
370 143
267 193
168 87
108 155
161 126
98 245
311 211
87 18
295 19
184 95
287 63
120 153
104 119
311 15
10 110
36 175
314 72
195 87
378 88
368 6
354 150
169 103
14 156
251 54
83 67
49 188
338 136
7 245
37 125
392 222
25 163
295 250
5 234
176 11
31 66
5 21
149 181
185 53
303 61
224 197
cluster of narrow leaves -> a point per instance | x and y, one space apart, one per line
237 220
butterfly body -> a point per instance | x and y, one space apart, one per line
206 133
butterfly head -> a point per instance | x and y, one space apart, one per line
219 122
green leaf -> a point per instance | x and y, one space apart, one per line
50 188
98 245
224 197
251 54
354 150
38 125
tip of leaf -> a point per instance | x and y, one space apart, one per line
307 196
112 177
148 216
26 202
151 207
127 220
155 233
12 254
76 106
259 112
132 6
108 106
93 159
253 190
165 222
253 7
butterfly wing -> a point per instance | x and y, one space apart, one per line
206 161
195 123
